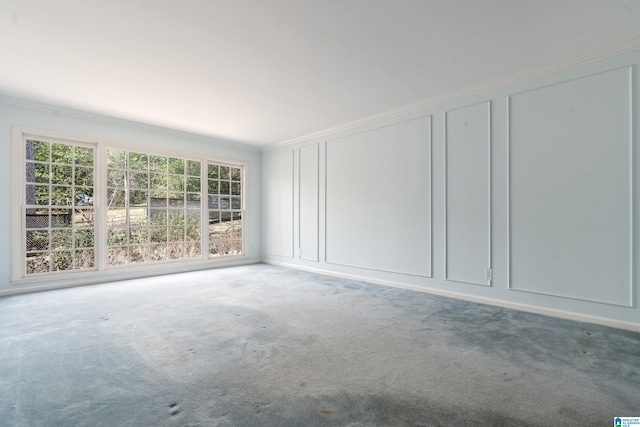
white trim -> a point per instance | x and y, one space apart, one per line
317 225
562 314
632 201
630 302
114 275
620 49
488 282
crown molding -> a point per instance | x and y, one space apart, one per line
619 49
114 121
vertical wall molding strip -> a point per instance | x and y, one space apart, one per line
489 171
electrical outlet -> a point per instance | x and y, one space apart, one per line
488 274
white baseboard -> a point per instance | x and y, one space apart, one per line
562 314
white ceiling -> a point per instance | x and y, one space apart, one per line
266 71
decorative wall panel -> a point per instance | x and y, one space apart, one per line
278 203
378 198
570 189
468 194
309 203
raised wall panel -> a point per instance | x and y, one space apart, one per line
570 189
309 203
468 194
378 199
278 203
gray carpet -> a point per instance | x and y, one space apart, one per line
266 346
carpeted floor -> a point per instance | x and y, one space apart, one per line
267 346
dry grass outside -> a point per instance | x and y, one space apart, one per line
152 240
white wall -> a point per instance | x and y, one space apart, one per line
534 182
13 112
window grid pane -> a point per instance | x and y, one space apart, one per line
224 202
151 199
59 232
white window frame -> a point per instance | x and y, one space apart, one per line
102 272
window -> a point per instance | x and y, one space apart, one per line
59 231
153 208
92 207
224 195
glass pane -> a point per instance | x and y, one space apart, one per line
192 250
38 263
138 161
214 202
117 236
193 168
236 174
41 193
236 202
61 196
116 217
61 239
37 218
175 251
224 187
84 259
214 217
40 151
43 173
193 234
83 217
176 182
37 240
115 198
116 178
225 202
236 187
213 186
84 238
176 217
83 177
138 180
158 181
61 174
158 252
193 200
176 200
138 235
116 159
83 196
62 153
212 172
37 172
138 216
224 172
61 218
158 234
237 216
158 199
193 185
158 217
225 216
158 164
139 254
176 166
61 260
118 256
193 218
176 234
138 198
84 156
